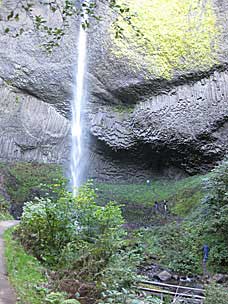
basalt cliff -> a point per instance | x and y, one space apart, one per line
154 109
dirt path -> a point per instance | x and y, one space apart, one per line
7 294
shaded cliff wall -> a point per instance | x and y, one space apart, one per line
31 129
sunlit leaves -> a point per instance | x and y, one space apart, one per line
177 35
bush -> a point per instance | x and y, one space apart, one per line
53 229
216 294
4 209
214 215
81 240
175 246
45 228
59 298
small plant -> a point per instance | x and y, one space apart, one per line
59 298
4 209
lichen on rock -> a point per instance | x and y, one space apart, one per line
178 36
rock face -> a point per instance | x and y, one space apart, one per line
188 125
31 129
140 125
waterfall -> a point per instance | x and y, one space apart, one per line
78 102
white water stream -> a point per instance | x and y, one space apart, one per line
78 103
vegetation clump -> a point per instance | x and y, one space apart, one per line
22 180
216 294
179 245
81 242
4 209
178 35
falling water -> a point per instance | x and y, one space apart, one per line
77 107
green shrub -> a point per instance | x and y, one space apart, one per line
77 237
214 215
175 246
216 294
63 229
45 228
4 209
59 298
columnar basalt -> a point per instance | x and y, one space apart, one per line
139 124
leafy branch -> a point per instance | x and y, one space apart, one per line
67 9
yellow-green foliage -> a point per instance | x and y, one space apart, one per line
182 35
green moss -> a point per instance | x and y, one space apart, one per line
123 108
22 179
25 272
186 200
181 35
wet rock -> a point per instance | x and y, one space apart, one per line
187 279
187 129
176 277
164 276
220 278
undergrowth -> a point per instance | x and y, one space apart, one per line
28 276
93 258
25 272
4 209
178 245
22 180
137 200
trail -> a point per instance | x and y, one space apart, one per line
7 294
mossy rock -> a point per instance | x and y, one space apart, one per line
178 36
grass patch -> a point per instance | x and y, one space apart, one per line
5 216
181 195
25 272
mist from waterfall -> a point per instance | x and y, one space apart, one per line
78 103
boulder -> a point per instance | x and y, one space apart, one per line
164 276
220 278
